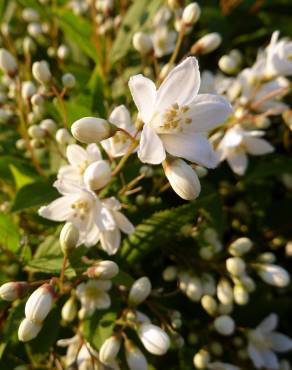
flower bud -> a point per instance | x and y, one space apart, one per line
30 15
224 292
194 289
69 237
240 294
267 257
8 63
182 178
27 90
34 30
13 290
103 270
63 137
28 330
49 125
92 130
39 303
224 325
209 304
139 291
240 246
207 43
169 273
191 14
154 339
29 45
63 52
41 72
135 358
201 359
109 349
68 80
227 64
274 275
142 42
235 266
97 175
36 132
37 100
21 144
69 310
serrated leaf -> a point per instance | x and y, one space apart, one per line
9 233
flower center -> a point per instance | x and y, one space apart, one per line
175 117
82 167
259 339
92 292
81 208
120 138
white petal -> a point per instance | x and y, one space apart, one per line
123 223
207 111
192 147
280 342
238 162
92 237
143 91
183 179
93 153
270 359
76 154
268 324
151 149
256 146
107 219
120 117
110 241
59 210
103 301
255 356
180 86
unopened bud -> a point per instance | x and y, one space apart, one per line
139 291
49 125
240 246
8 63
170 273
30 15
63 52
227 64
224 325
39 303
36 132
41 72
97 175
69 237
27 90
224 292
194 289
207 43
63 137
92 130
240 294
37 100
13 290
209 304
142 42
235 266
182 178
274 275
201 359
191 14
69 310
28 330
154 339
68 80
135 358
103 270
109 349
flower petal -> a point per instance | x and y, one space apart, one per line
151 149
238 162
123 223
110 241
193 147
76 154
59 210
120 117
143 91
207 111
93 153
268 324
255 356
180 86
256 146
280 342
103 301
270 359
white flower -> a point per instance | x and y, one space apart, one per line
154 339
79 206
117 145
278 59
237 142
264 341
114 222
222 366
176 118
163 41
93 295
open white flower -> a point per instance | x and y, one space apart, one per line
177 118
237 143
117 145
264 341
79 206
278 59
93 295
115 222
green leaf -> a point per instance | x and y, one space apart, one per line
99 327
36 194
49 247
21 179
160 229
49 264
10 163
137 18
9 234
78 30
